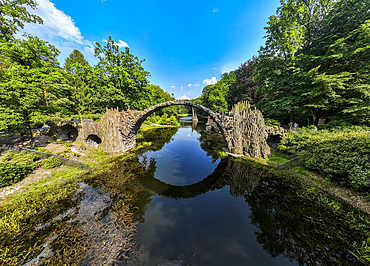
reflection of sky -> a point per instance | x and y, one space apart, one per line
211 229
182 161
215 226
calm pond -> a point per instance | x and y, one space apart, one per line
176 202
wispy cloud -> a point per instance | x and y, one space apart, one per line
120 43
184 97
181 88
189 85
58 29
197 85
172 87
210 81
215 10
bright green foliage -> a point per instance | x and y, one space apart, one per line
75 62
172 120
32 87
11 173
51 162
341 155
79 70
163 119
123 71
217 97
315 62
25 158
15 166
153 95
272 122
154 119
8 156
13 15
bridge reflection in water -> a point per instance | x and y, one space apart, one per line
238 176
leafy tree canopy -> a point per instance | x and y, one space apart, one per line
13 15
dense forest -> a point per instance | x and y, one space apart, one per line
314 65
34 87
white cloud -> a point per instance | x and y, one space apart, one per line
184 97
172 87
215 10
189 85
56 23
120 43
59 29
197 85
181 88
210 81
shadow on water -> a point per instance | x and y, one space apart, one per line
98 225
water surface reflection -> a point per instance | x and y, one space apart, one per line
177 203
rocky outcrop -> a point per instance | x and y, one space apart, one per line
247 130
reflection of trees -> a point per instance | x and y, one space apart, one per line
211 143
239 176
94 227
159 137
296 227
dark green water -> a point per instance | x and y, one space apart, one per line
177 203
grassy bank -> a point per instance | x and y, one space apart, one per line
333 168
44 198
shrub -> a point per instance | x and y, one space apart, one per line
172 120
342 156
8 156
154 119
11 173
163 119
25 158
51 162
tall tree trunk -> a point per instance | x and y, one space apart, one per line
291 119
317 116
27 124
310 120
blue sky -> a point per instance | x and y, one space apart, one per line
186 44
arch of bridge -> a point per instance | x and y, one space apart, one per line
221 123
118 130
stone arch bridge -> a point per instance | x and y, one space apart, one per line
116 131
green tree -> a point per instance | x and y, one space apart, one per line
281 64
341 54
13 15
79 70
245 86
32 87
123 71
74 63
